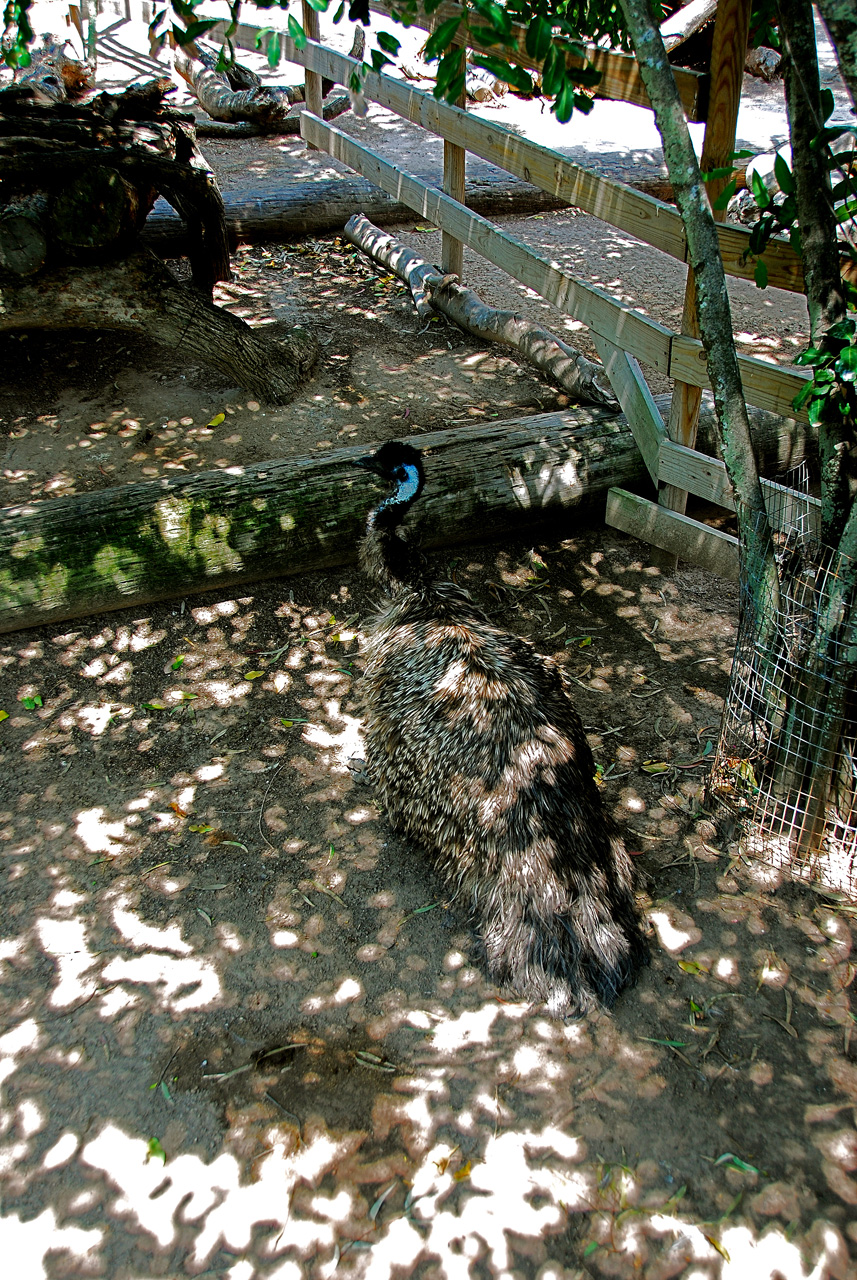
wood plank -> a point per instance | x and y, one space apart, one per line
706 478
620 75
312 80
648 219
671 531
632 392
766 385
683 358
637 334
454 167
727 73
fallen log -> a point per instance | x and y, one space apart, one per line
334 106
434 292
296 209
160 539
127 546
139 295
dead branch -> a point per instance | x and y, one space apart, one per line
583 379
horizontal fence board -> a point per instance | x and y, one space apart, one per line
681 357
686 538
620 76
706 477
766 385
642 337
640 215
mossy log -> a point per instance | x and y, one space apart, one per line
139 295
131 545
66 557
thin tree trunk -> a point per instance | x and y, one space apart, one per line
715 321
840 17
825 295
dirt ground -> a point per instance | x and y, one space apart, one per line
245 1032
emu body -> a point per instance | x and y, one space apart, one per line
476 752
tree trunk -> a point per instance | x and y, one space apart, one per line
139 295
23 235
715 321
65 557
840 18
297 209
97 214
825 294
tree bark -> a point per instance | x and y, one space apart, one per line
433 293
23 235
127 546
715 321
825 294
840 18
139 295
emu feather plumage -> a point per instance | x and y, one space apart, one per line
476 752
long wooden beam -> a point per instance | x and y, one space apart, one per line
765 385
126 546
641 215
620 75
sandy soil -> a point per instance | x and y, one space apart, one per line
245 1033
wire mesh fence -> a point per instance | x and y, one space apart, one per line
786 761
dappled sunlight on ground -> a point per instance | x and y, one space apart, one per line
248 1035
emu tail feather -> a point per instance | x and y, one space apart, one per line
572 953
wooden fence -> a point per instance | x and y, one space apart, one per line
623 336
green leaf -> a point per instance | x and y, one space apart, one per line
539 38
553 72
275 50
297 33
842 331
178 664
726 194
563 107
199 28
802 396
590 1248
154 1150
812 355
517 77
783 175
439 40
828 103
760 191
387 42
4 715
846 365
760 275
320 6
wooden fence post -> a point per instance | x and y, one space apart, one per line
454 163
731 30
312 80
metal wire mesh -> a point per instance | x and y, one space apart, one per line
786 761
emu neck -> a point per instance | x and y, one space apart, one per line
386 554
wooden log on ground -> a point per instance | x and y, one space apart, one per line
139 295
131 545
566 366
23 235
66 557
336 105
298 209
97 213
